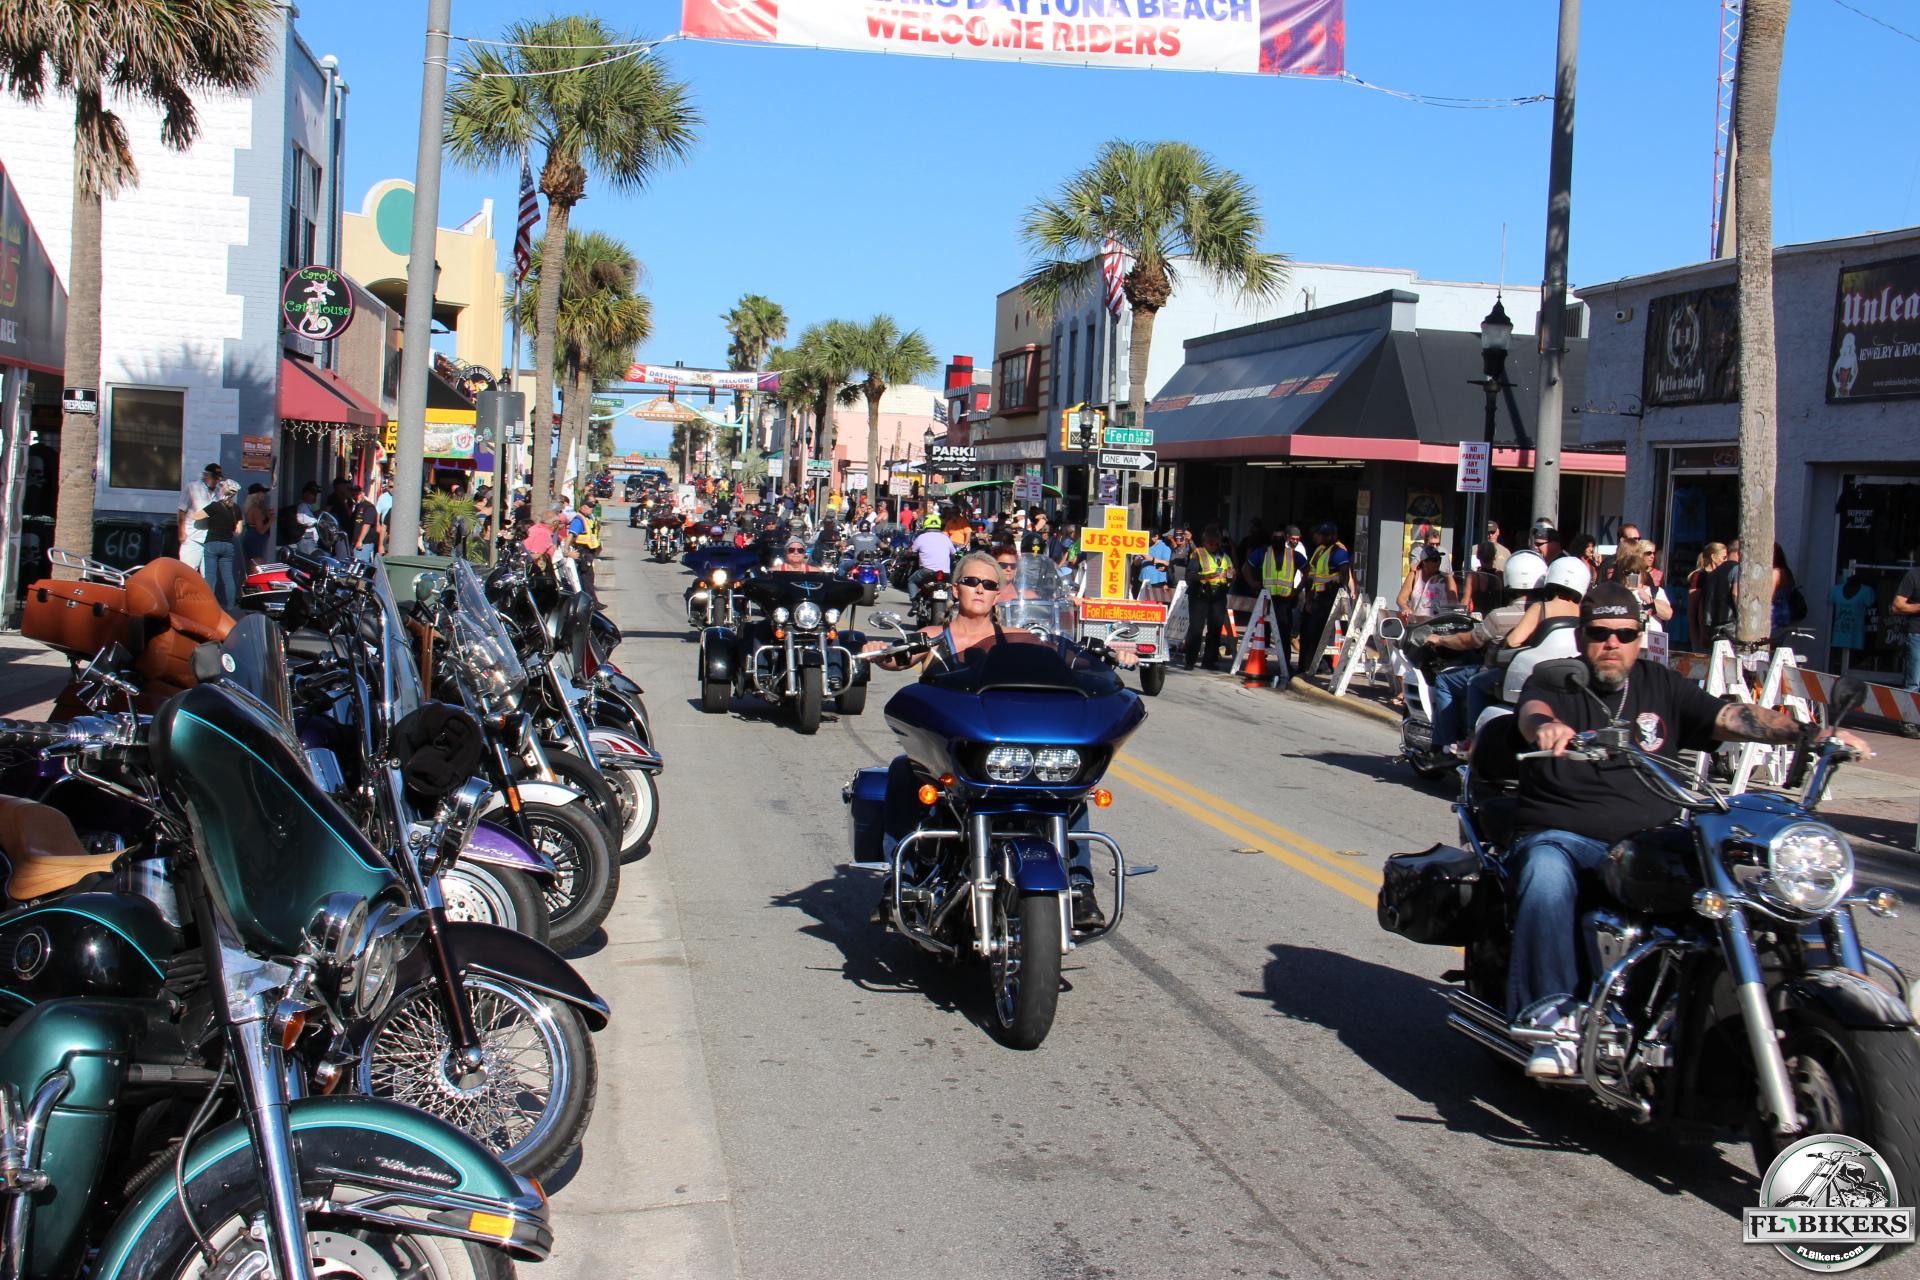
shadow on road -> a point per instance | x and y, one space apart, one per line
1380 768
1397 1030
875 959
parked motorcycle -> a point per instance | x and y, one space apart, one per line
302 933
1006 745
1729 989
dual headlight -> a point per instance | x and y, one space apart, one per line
1042 764
1809 868
362 947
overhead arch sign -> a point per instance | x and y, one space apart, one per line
1265 37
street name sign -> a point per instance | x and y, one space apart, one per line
1127 460
1130 437
1476 460
819 467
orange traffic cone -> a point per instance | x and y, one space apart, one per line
1256 668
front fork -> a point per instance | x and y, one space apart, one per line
1763 1040
261 1070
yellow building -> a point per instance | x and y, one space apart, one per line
470 298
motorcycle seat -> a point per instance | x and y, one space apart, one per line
1493 810
43 852
178 612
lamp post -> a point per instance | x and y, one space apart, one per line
1496 332
926 462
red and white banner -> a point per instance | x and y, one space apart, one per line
1265 37
724 379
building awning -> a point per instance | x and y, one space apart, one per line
313 399
1304 389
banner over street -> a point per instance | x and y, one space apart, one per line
1264 37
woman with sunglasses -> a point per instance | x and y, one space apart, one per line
977 582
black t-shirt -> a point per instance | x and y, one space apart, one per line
365 516
1716 594
1609 801
222 519
1033 543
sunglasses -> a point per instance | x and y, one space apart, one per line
1008 565
978 584
1600 635
791 550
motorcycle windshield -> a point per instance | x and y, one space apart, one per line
790 590
402 675
486 654
1036 598
256 664
1020 660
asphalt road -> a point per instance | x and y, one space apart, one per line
1251 1078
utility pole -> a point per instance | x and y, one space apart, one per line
417 354
1553 286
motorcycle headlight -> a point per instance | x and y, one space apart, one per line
806 615
719 577
833 616
1009 764
780 613
391 934
1056 764
338 924
1809 867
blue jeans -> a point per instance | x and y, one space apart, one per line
1545 951
1913 656
217 568
1449 689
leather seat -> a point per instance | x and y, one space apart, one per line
176 608
43 852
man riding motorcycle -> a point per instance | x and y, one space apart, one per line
1571 812
1461 693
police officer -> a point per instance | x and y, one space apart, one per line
1329 568
1283 574
1210 575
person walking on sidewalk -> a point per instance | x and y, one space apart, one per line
1906 604
1207 614
221 520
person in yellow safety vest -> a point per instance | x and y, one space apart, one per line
585 527
1329 568
1283 576
1210 574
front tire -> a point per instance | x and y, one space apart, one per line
583 893
532 1108
639 808
495 895
577 775
1153 678
1863 1082
806 710
1025 969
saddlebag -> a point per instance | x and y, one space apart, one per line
79 617
866 798
1428 896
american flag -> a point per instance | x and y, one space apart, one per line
1112 268
523 229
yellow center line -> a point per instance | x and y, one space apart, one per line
1273 849
1299 843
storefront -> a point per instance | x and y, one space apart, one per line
1847 478
33 330
1353 414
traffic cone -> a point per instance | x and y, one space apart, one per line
1256 668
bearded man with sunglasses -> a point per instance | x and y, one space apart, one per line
1571 811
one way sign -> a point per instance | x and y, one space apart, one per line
1127 459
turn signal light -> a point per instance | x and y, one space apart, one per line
779 633
291 1028
1102 798
946 779
497 1225
928 793
1712 904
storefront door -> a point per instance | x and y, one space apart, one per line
1879 540
1700 498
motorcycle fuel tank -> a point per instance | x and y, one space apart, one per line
89 944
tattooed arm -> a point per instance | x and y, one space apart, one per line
1738 722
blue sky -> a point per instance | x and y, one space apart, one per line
844 184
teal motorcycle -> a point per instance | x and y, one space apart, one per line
166 1136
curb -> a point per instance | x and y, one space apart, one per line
1356 706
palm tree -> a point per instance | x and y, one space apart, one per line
797 391
1162 201
887 357
754 325
825 355
155 55
1763 33
584 96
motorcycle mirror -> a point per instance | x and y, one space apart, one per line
459 814
1563 675
429 587
1849 692
1127 632
886 618
210 662
1392 630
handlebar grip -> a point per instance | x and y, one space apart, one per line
1802 756
33 733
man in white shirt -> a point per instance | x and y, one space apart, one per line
192 516
935 549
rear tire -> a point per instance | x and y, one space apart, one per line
1026 969
1863 1082
1153 678
868 596
806 709
495 895
853 701
589 880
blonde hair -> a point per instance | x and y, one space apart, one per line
985 558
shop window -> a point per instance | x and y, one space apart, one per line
1094 390
303 209
1073 363
1017 375
145 426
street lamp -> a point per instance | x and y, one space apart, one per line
1496 332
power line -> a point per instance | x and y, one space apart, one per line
1878 21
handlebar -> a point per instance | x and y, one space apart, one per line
920 644
1598 745
80 732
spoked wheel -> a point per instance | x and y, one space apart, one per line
806 711
1863 1082
577 775
494 895
639 808
531 1102
1153 678
1025 967
582 893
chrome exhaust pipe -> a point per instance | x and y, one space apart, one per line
1497 1042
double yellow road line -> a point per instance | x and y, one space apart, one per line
1358 880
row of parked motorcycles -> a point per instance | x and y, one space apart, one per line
286 892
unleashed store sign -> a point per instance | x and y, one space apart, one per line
1876 332
1265 37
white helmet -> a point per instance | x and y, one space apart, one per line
1570 573
1525 569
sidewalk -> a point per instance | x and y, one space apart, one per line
31 675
